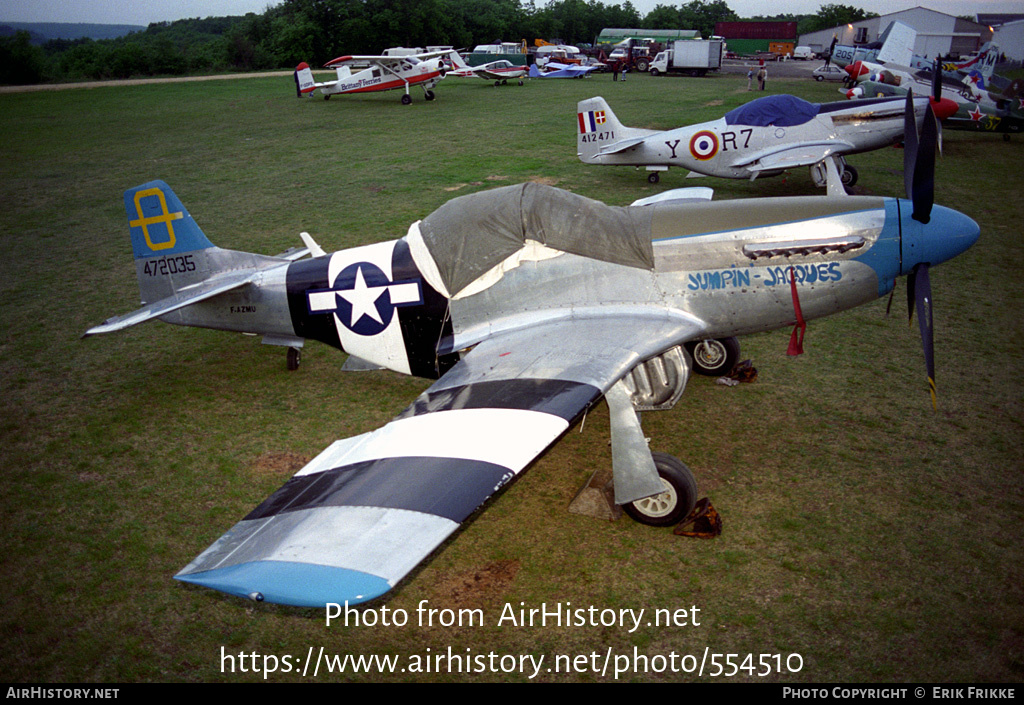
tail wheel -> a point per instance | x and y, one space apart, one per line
653 177
672 505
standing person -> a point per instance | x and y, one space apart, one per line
762 75
750 77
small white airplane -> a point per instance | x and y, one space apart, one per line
761 138
499 71
378 73
527 305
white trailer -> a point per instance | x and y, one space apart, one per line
695 57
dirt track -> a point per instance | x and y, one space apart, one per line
134 82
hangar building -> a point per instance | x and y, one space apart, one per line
937 33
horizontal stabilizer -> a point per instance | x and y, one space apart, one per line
621 145
293 253
185 297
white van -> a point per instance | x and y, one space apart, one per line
803 53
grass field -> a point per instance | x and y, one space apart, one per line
874 537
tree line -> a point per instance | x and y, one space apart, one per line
319 30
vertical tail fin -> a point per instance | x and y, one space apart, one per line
988 64
458 63
159 223
596 126
168 245
304 83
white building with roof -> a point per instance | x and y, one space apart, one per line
937 33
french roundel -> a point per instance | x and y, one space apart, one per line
704 145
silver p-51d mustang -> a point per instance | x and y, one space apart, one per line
527 304
764 137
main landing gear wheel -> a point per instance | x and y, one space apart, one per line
294 357
653 177
849 177
406 99
672 505
714 358
429 95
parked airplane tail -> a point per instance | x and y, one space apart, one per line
458 63
175 263
304 83
988 65
171 251
597 129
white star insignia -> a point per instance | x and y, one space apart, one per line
363 299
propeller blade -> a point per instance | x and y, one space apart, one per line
923 182
923 303
937 94
910 145
910 294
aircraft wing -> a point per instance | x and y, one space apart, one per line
359 59
497 76
185 297
794 155
365 512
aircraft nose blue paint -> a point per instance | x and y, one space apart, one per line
298 584
947 234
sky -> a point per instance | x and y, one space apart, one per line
143 12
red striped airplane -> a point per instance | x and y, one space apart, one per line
377 73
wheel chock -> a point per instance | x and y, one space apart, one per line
704 522
597 498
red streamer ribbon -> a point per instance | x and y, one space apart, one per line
796 340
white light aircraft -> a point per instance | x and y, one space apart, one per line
376 73
499 71
528 305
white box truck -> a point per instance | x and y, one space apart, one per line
693 56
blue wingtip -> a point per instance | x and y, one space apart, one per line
297 584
